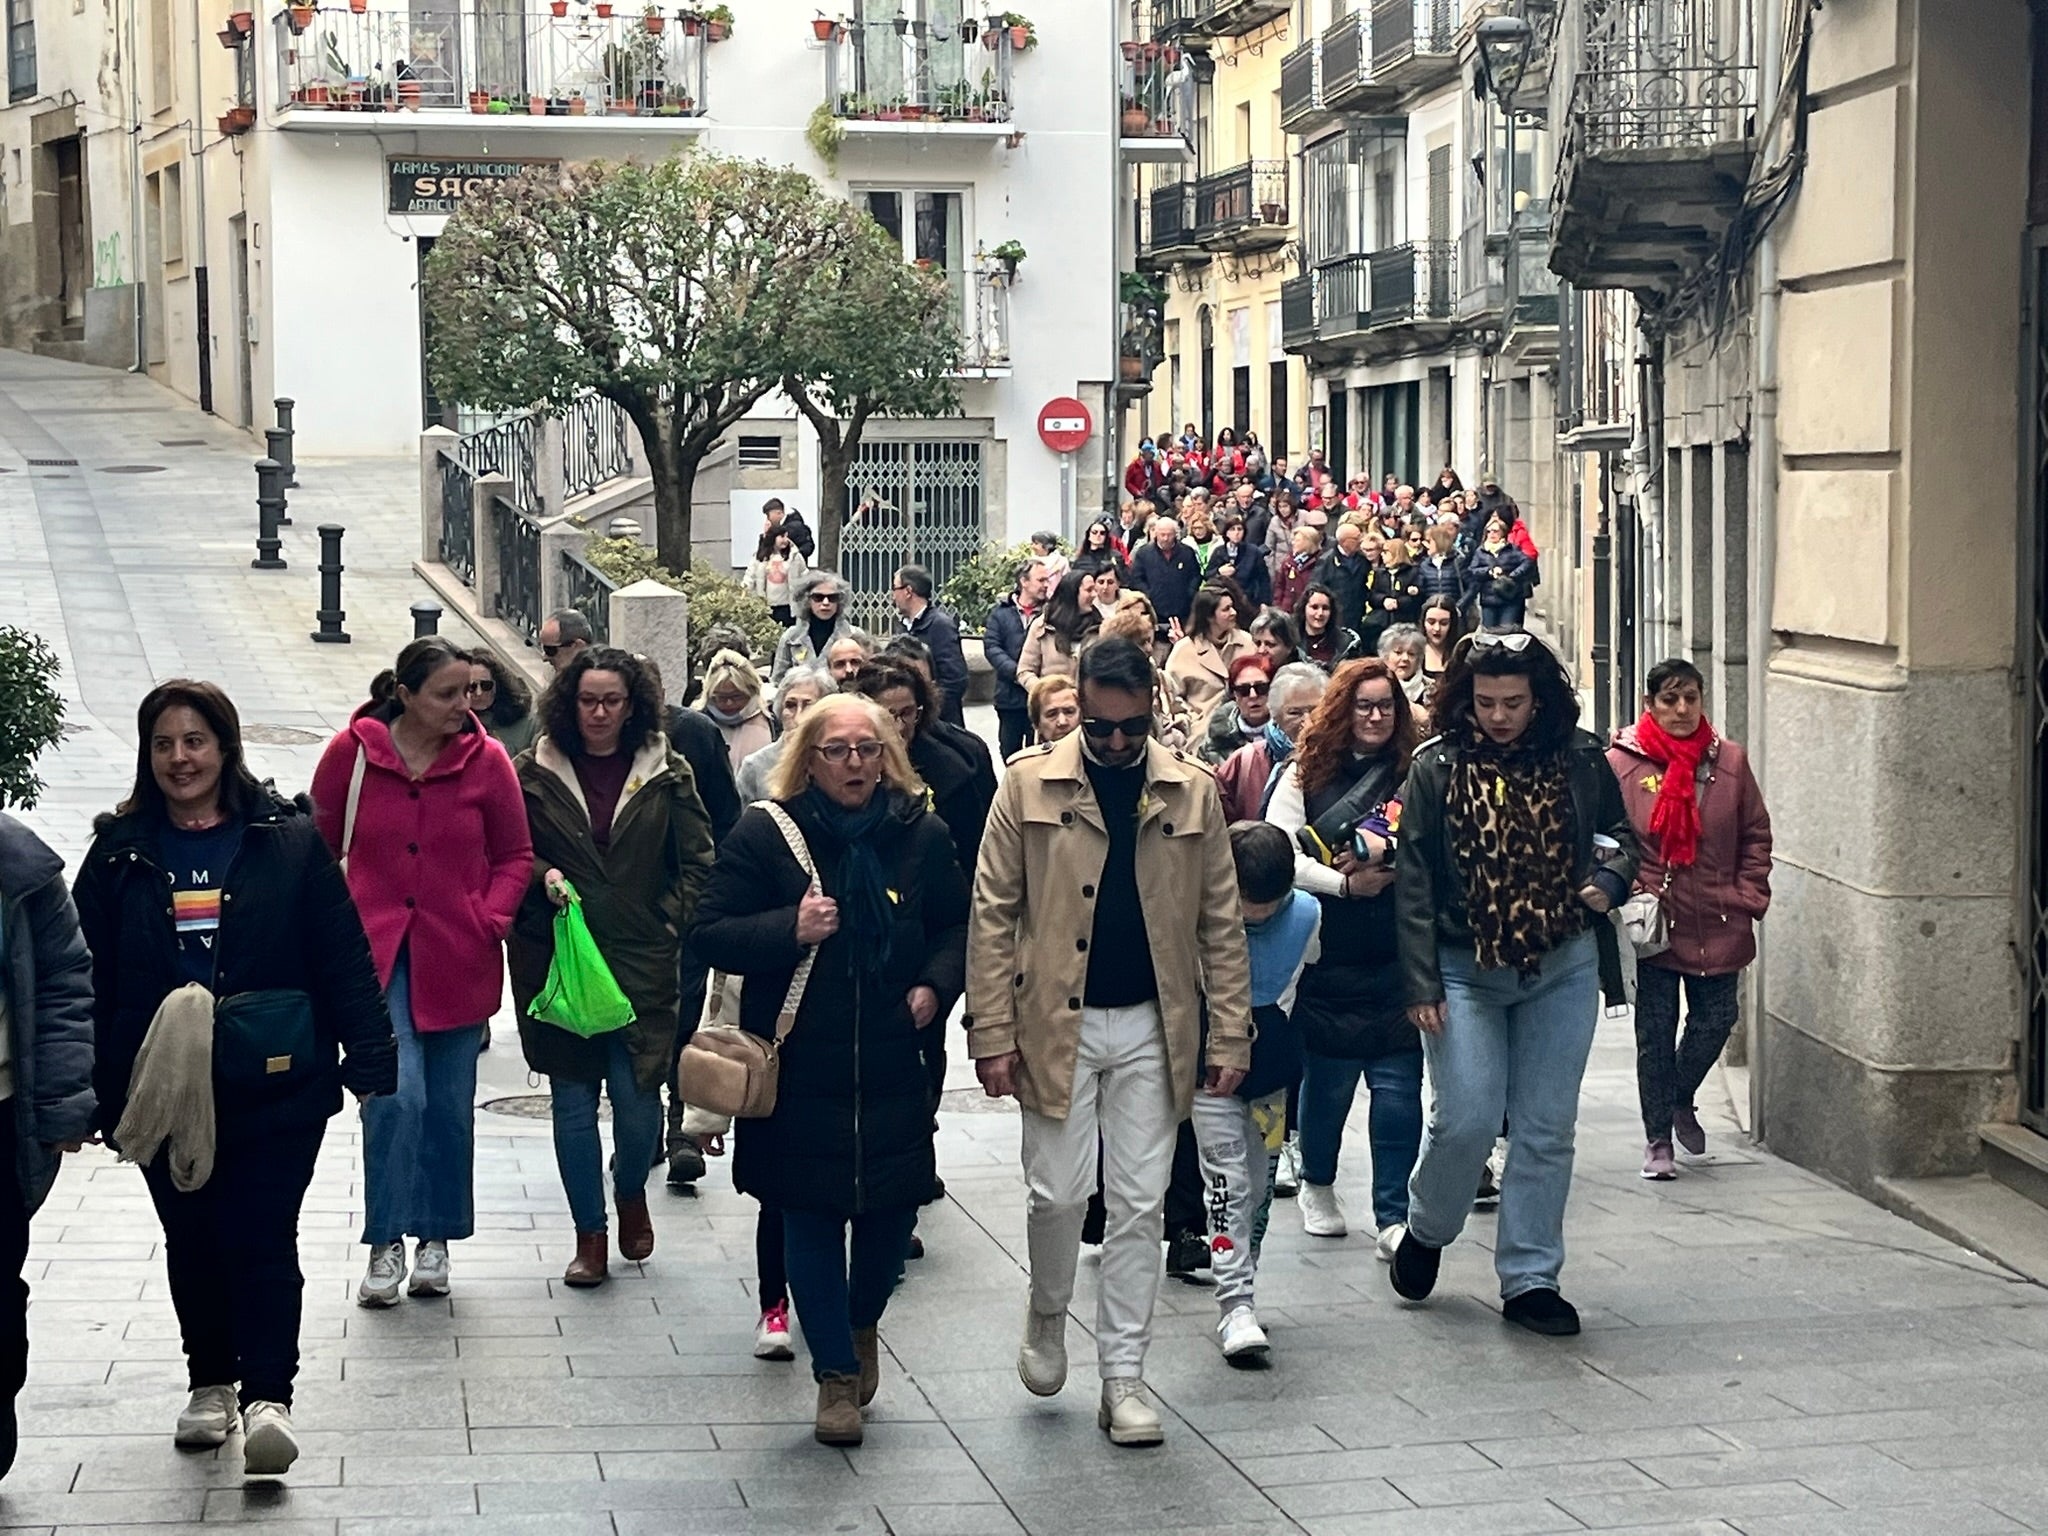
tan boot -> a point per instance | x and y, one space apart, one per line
867 1349
590 1266
636 1230
838 1411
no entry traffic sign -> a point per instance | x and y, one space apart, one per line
1064 424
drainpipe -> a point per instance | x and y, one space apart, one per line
1763 554
133 67
203 326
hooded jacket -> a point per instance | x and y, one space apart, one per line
46 971
439 862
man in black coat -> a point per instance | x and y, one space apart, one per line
46 1008
776 515
911 592
1002 641
1167 572
1345 571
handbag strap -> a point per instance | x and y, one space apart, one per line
801 852
355 799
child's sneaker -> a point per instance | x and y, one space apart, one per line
1240 1334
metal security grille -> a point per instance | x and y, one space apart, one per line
2033 937
908 503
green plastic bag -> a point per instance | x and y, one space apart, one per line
581 994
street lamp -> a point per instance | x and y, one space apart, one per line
1504 46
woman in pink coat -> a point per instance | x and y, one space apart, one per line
426 815
1706 853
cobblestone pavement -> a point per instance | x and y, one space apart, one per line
1764 1353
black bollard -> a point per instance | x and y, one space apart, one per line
284 425
269 508
278 444
426 618
330 615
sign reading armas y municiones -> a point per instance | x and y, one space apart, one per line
425 186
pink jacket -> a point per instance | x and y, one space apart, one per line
442 862
1713 902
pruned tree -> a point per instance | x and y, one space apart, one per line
884 340
677 290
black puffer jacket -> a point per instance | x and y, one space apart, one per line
956 766
286 921
852 1127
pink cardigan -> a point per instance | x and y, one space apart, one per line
442 862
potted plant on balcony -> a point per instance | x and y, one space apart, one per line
901 23
1009 253
1023 36
718 23
243 22
892 110
1137 121
536 106
558 8
693 22
1130 358
299 17
359 6
239 119
604 10
652 21
1272 213
408 86
479 102
822 27
229 37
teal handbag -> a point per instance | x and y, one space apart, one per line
264 1040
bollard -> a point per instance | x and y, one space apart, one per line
278 444
269 508
330 615
284 424
426 618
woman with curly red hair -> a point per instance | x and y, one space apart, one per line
1339 799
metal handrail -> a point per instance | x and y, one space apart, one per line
597 444
519 590
588 590
458 519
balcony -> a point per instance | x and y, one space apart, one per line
911 79
1298 312
982 299
1481 289
1414 44
347 70
1348 82
1387 304
1158 94
1659 117
1530 299
1177 21
1171 227
1243 208
1234 18
1140 349
1301 89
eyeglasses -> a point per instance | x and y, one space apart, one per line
1511 640
486 686
1372 708
608 702
1134 727
551 651
824 597
840 751
1251 690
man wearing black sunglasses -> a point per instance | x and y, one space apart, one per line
1105 913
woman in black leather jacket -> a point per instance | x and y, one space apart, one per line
1515 844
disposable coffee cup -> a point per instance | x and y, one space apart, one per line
1605 848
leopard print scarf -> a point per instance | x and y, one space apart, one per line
1509 820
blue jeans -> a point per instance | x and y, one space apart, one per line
1518 1048
419 1144
1328 1086
834 1299
579 1154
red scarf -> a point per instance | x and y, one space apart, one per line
1675 817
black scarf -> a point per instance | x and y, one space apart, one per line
821 633
867 915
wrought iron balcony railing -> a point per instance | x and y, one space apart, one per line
1298 311
1171 220
1530 288
1403 30
914 71
1301 89
1173 20
1660 74
1234 18
1247 197
1402 285
1347 59
578 61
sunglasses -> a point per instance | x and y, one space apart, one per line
551 651
1134 727
1251 690
1511 640
486 686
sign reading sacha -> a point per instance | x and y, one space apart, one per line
439 186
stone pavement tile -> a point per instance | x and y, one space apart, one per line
791 1487
614 1494
829 1462
590 1523
1361 1496
123 1507
687 1519
1987 1446
1608 1445
1277 1440
1818 1466
1502 1484
1666 1505
619 1438
880 1434
270 1528
1344 1466
169 1468
1949 1518
950 1520
261 1503
1366 1430
1526 1517
525 1467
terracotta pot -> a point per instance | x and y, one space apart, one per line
301 17
1137 122
243 22
625 107
717 30
654 24
558 7
359 6
578 106
536 106
692 25
604 9
1019 36
821 28
316 94
409 95
479 102
1130 369
1131 51
229 37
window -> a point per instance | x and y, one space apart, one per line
931 227
162 37
21 49
1356 191
170 213
760 452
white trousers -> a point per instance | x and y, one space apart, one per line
1231 1136
1124 1090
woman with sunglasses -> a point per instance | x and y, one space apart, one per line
819 598
1244 715
424 811
1338 798
1515 844
501 699
846 1155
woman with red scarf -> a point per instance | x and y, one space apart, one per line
1706 851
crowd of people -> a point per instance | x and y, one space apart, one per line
1242 855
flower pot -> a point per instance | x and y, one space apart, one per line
1130 369
479 102
693 26
992 39
409 95
243 22
559 107
229 37
1161 128
301 17
536 106
604 10
650 97
624 106
316 94
578 107
891 114
1272 213
821 28
1137 122
718 31
653 23
559 7
1019 36
359 6
1131 52
901 24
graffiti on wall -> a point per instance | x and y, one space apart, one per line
106 262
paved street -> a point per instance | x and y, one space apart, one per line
1763 1354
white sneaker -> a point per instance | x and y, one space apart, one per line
382 1279
208 1418
268 1445
429 1269
1240 1333
1128 1414
1042 1357
1322 1214
771 1334
1383 1250
1287 1177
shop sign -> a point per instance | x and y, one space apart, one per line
421 186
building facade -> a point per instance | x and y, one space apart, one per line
276 233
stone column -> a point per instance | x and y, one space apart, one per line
433 442
651 620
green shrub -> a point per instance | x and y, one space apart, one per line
31 713
715 598
977 585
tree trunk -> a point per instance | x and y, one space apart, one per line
833 457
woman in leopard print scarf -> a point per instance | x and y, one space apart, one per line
1498 899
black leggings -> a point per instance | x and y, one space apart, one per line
769 1268
1669 1070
